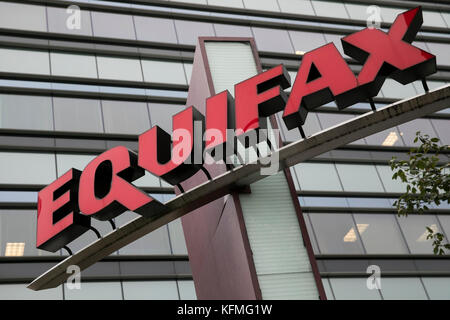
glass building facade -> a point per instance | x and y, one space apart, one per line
75 83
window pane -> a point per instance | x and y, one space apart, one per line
189 31
163 72
371 226
402 289
150 290
177 237
21 292
67 161
155 242
336 233
414 230
81 115
26 112
22 16
306 41
438 288
228 30
111 25
18 234
272 40
148 180
393 89
339 202
327 287
441 51
73 65
445 223
299 7
353 289
330 9
94 291
119 69
267 5
433 19
16 168
369 202
357 12
125 117
390 184
318 176
388 138
359 177
58 22
226 3
408 130
187 290
161 115
155 29
328 120
312 238
443 129
24 61
336 39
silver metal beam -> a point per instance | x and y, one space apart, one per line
289 155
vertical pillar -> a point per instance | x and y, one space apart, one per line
247 245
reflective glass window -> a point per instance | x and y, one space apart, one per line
408 130
371 226
330 9
60 21
443 130
318 176
268 5
272 40
119 69
155 29
433 19
112 25
177 240
438 288
359 177
125 117
163 72
441 51
388 138
390 184
357 11
26 112
21 292
161 115
189 31
22 16
226 3
228 30
16 168
18 234
305 41
298 7
402 289
24 61
336 233
353 289
150 290
187 290
94 291
65 162
155 242
73 65
415 232
81 115
393 89
328 120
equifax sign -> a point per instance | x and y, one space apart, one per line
104 189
